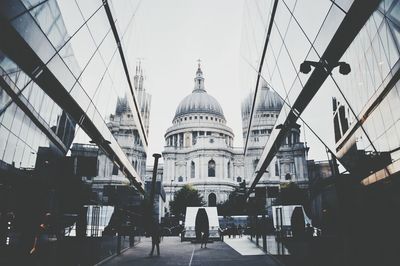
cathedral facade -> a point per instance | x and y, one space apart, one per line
199 146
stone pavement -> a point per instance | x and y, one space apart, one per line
175 252
244 246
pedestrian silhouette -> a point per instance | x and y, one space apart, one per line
297 221
234 230
155 238
202 227
309 231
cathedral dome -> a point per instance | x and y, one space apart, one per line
267 100
199 101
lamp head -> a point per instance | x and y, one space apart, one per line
344 68
305 67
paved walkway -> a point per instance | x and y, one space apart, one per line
174 252
244 246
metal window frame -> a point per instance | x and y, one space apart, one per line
15 47
356 17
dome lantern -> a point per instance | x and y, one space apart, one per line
199 101
199 79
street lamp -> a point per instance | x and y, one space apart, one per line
344 68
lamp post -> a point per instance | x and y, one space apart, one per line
153 183
344 68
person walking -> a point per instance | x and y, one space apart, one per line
240 230
155 238
202 227
234 230
204 239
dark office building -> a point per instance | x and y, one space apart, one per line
363 135
62 71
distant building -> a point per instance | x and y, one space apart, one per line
289 164
125 130
199 148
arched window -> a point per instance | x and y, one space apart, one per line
212 200
229 169
276 168
192 170
288 176
180 179
238 179
211 168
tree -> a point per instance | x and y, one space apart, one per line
234 205
291 194
238 204
187 196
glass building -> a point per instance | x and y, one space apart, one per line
351 118
63 69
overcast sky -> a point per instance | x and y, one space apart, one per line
171 36
168 37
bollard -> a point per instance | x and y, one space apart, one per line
118 244
264 233
264 237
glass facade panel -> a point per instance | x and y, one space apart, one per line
8 115
10 149
344 4
328 28
62 71
4 137
17 122
89 78
88 7
373 56
34 36
83 39
99 26
318 9
80 96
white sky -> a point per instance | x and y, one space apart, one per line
173 35
170 36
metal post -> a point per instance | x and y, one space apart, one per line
264 233
257 229
118 243
153 183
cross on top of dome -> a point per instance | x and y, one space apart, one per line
199 101
199 79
